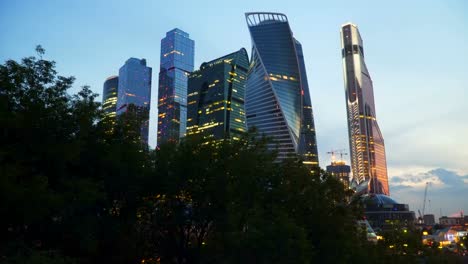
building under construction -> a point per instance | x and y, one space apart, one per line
338 168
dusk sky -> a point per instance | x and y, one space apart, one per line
416 53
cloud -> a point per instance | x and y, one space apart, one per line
400 187
448 177
447 192
438 178
397 179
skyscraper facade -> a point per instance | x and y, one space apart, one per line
109 97
277 96
177 59
134 93
367 147
216 97
340 170
308 142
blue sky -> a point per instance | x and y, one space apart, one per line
416 52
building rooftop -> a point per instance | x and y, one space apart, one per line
379 200
257 18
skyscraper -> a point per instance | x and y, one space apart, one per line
277 95
308 142
340 170
366 143
134 93
216 97
177 59
109 97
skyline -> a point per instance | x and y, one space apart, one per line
428 54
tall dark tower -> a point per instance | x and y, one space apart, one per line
177 56
366 143
277 95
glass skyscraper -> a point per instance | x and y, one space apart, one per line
216 97
109 97
277 94
177 59
308 141
134 92
367 147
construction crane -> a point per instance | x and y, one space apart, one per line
341 152
424 202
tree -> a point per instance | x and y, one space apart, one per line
58 168
230 201
72 190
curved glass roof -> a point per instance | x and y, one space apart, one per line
377 199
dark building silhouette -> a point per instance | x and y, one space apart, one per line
340 170
177 56
277 95
429 219
366 142
216 97
384 213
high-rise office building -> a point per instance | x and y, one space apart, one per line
216 97
340 170
109 97
134 93
308 140
177 59
277 95
368 160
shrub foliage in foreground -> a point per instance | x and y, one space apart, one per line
72 190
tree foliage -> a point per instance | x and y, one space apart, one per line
74 191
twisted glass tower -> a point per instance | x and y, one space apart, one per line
277 95
366 143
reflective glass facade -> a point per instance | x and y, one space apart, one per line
134 92
109 97
216 97
367 147
277 86
177 59
308 142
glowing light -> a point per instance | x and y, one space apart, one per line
173 51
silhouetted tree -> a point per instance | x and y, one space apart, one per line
77 188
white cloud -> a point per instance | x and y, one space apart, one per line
446 195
